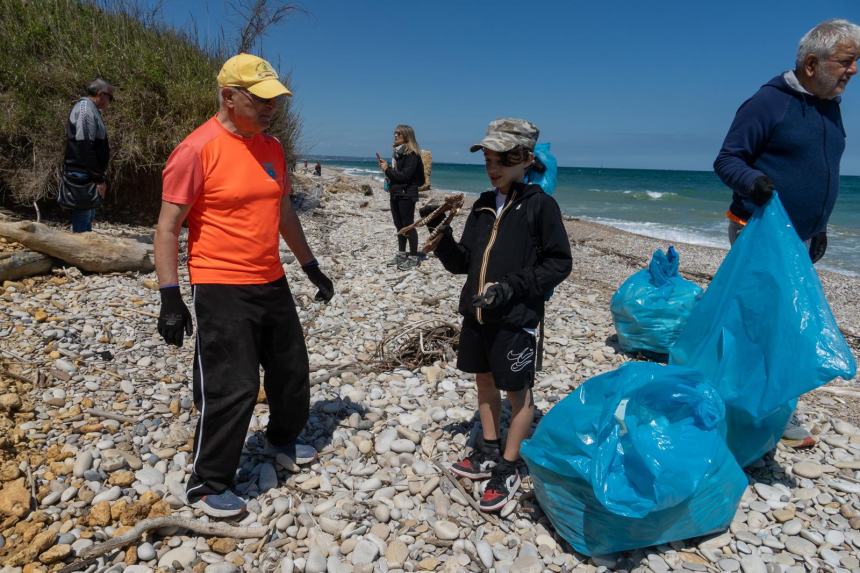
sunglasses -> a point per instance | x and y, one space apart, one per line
109 96
257 99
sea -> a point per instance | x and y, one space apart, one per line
676 206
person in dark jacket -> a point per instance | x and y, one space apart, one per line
513 250
789 138
403 177
87 151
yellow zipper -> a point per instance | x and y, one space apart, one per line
486 258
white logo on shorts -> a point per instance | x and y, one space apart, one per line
520 360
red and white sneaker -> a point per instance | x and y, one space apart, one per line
477 465
503 484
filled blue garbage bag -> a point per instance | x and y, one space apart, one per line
763 333
549 178
652 306
635 457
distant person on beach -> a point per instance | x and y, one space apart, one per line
318 169
84 177
403 176
514 249
788 137
228 179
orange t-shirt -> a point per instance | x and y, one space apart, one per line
234 185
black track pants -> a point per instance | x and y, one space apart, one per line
403 213
239 329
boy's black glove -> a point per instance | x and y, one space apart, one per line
495 295
322 282
435 221
174 320
817 246
762 190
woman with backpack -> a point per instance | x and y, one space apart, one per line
403 177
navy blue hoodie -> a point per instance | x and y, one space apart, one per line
797 140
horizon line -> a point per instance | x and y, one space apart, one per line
373 160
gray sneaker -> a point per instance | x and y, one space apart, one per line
398 259
796 436
224 504
409 264
292 455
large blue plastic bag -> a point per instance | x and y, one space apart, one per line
635 457
652 306
549 178
763 333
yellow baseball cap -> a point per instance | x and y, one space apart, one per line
253 74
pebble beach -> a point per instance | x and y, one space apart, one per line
98 420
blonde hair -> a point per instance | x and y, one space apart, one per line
409 135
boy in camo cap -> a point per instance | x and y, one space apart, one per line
514 248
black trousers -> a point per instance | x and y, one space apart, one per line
239 329
403 213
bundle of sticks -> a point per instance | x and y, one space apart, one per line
419 344
437 217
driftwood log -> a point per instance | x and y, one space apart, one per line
87 251
212 529
21 264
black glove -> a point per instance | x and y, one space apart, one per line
435 221
817 246
762 190
174 320
495 295
322 282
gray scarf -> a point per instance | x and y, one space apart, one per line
399 151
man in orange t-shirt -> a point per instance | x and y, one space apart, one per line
229 181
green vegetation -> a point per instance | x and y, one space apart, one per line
165 87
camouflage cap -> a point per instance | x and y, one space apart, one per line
506 133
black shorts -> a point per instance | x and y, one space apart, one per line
508 352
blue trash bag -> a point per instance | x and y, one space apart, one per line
763 333
635 457
549 178
651 307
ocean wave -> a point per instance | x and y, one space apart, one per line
358 171
665 232
650 195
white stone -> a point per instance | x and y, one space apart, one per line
145 552
184 555
111 494
149 476
83 462
402 445
807 469
222 567
365 552
753 564
446 530
485 553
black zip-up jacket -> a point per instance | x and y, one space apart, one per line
505 249
405 180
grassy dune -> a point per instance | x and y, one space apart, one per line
165 86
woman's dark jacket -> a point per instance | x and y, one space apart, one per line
532 257
405 179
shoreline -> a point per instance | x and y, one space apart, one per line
632 252
650 228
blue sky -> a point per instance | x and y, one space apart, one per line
614 84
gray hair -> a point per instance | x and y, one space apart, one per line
821 41
98 86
